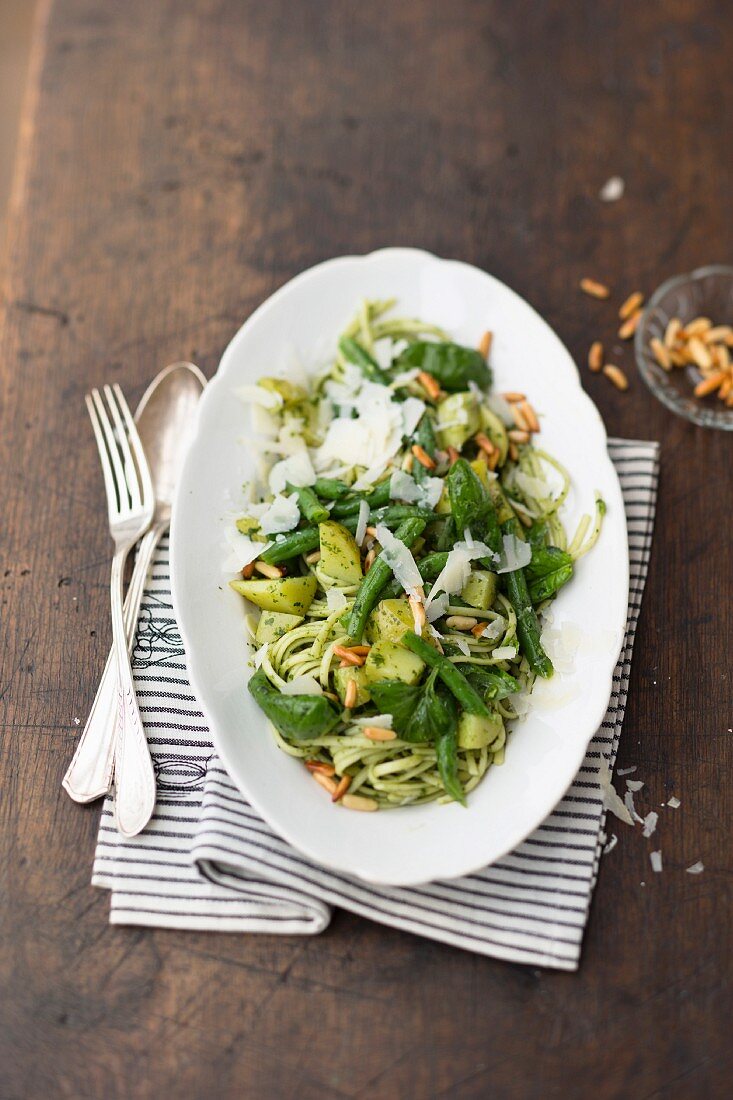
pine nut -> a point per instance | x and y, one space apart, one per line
697 327
461 622
660 353
484 345
362 650
617 376
512 396
517 436
595 356
378 733
725 388
350 695
594 288
369 560
317 766
629 327
270 571
530 416
429 384
313 557
720 332
342 788
632 303
324 781
513 452
700 353
710 384
484 443
248 571
346 655
423 457
520 420
359 802
672 331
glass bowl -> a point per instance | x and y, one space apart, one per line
706 292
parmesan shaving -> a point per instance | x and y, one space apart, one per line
400 560
382 721
296 469
696 868
258 395
505 653
515 554
412 410
650 823
611 798
629 804
611 844
437 608
282 514
625 771
674 803
240 550
259 655
457 569
362 522
335 599
302 685
463 645
655 858
634 784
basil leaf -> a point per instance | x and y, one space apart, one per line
400 700
299 717
490 683
549 569
453 366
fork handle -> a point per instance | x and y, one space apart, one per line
89 775
134 776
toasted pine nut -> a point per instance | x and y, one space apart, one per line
267 570
700 353
676 356
595 356
346 655
371 531
710 384
520 420
423 457
729 400
359 802
369 560
379 733
362 650
317 766
629 327
726 388
484 443
660 353
484 344
530 416
672 331
492 461
407 463
632 303
313 557
325 781
594 288
513 452
479 628
429 384
512 396
719 332
723 355
697 327
352 690
248 570
517 436
418 613
617 376
453 455
342 788
461 622
332 696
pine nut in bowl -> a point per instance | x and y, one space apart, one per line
684 346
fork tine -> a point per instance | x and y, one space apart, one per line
114 454
131 479
110 484
141 461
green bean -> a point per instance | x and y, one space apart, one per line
451 676
330 488
397 512
299 717
375 499
424 437
308 503
354 353
294 543
447 536
371 587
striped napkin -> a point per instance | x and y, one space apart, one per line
207 861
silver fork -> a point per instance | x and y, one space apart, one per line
130 503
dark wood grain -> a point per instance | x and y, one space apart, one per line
179 162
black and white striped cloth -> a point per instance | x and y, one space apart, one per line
207 861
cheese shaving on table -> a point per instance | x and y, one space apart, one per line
611 844
302 685
696 868
281 515
634 784
674 803
650 823
626 771
611 798
400 560
362 522
655 858
629 804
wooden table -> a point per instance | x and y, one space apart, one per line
179 161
